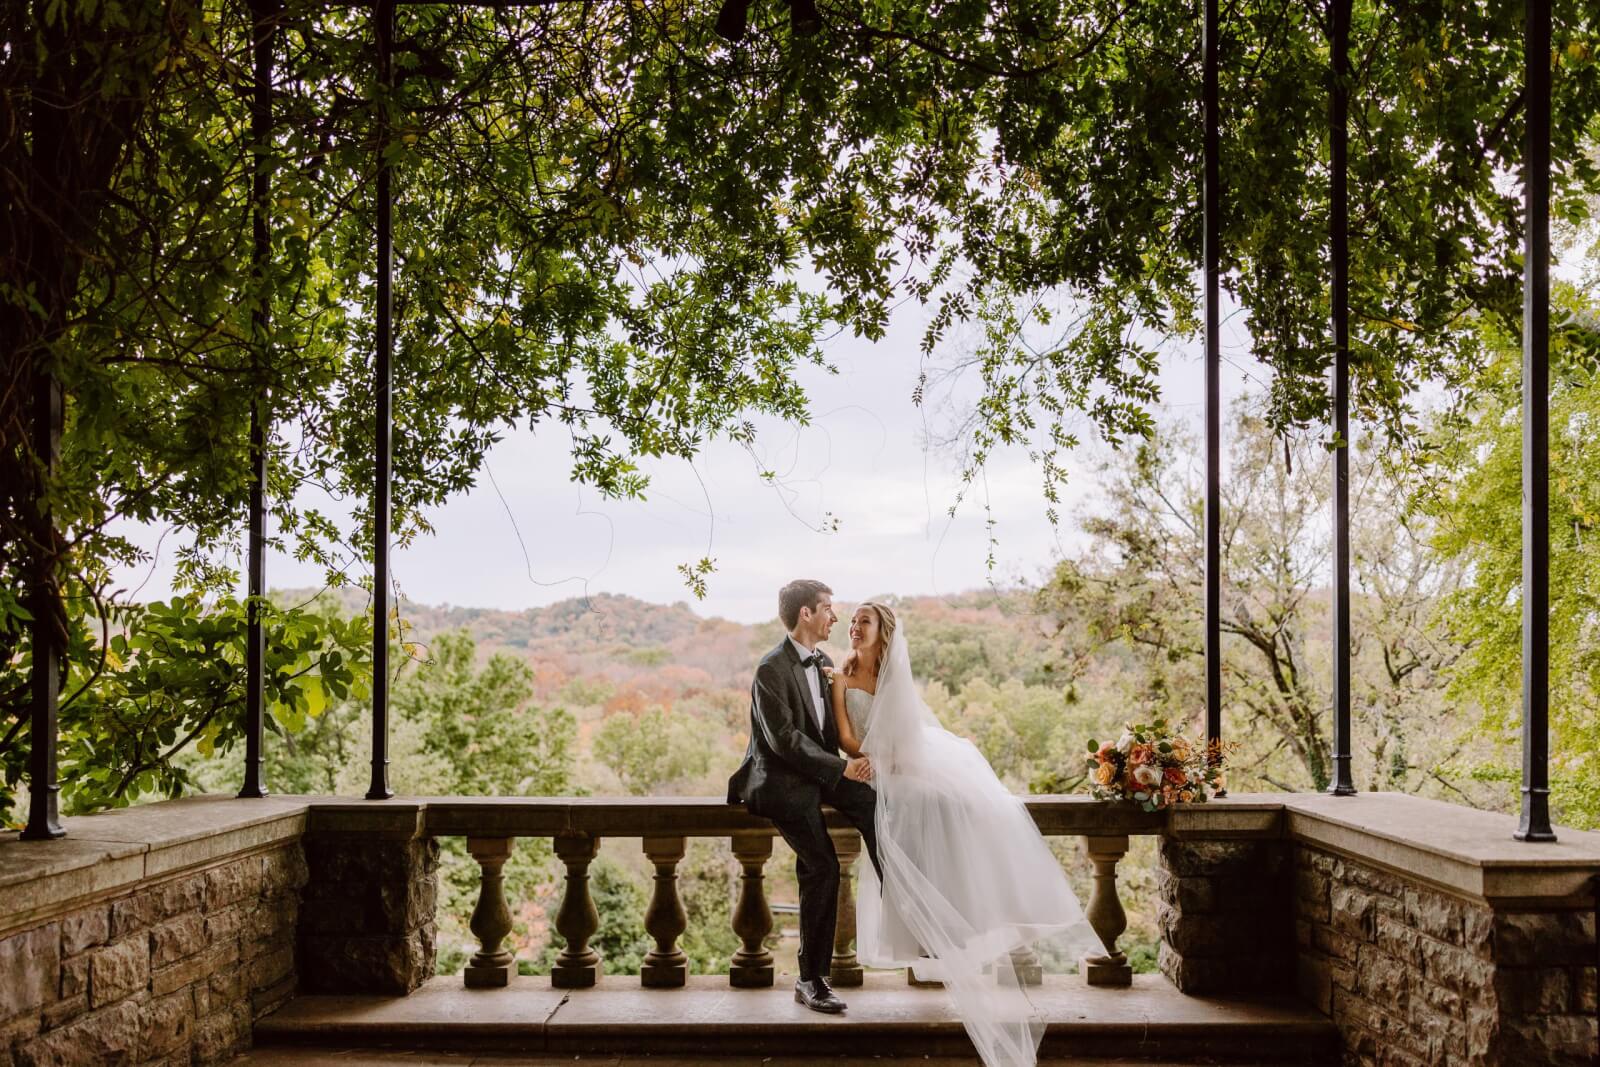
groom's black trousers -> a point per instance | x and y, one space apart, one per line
817 868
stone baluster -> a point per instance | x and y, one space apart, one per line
845 970
665 966
1029 971
491 965
578 965
751 967
1106 914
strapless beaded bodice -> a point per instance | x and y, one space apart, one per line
858 706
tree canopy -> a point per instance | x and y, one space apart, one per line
614 225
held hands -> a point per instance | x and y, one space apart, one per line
859 769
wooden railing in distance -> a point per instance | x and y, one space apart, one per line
663 824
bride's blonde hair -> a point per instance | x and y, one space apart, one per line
886 623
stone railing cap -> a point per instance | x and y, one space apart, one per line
1461 849
1464 849
106 853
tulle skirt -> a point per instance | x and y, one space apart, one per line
967 881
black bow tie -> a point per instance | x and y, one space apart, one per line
813 660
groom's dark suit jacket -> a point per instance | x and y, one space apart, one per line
790 760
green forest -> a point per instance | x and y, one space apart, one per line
613 225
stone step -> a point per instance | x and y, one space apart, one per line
1152 1021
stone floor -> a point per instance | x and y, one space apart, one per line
619 1023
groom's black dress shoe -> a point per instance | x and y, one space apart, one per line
816 995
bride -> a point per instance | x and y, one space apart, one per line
967 878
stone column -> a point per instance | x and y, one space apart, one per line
846 971
1224 915
751 967
665 967
366 924
1106 914
491 965
578 965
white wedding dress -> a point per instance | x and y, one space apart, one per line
967 877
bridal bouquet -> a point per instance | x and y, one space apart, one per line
1154 767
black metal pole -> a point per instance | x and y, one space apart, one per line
44 792
383 387
1535 821
1339 234
1211 210
255 654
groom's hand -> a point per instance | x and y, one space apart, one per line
858 769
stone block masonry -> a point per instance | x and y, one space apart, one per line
176 970
1224 915
369 915
1423 930
1412 974
149 935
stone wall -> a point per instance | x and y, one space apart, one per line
174 972
1224 915
1415 975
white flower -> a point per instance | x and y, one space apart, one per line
1125 742
1147 774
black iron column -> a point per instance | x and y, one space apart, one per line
1211 196
1535 822
44 793
1339 234
382 387
255 653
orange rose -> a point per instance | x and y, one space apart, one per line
1175 775
1141 754
1105 774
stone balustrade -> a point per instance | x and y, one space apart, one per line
162 933
663 826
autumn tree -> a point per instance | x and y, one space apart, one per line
1140 583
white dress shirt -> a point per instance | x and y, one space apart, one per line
814 679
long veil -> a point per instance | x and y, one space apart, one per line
967 878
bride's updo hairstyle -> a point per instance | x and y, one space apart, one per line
886 625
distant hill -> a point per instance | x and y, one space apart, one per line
605 618
619 638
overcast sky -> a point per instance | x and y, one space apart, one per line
864 461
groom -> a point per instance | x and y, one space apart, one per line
793 765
